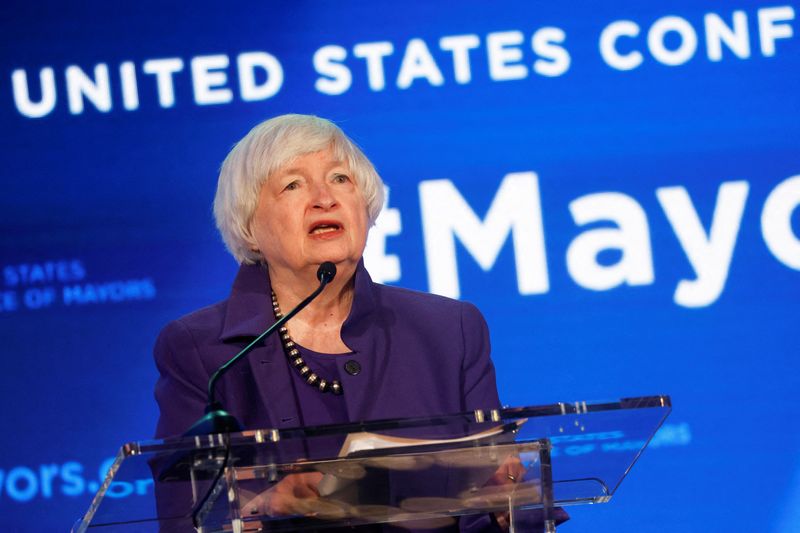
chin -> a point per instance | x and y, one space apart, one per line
334 257
335 254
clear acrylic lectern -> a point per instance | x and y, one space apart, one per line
516 466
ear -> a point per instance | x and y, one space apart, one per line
252 245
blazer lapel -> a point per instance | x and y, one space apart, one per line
274 383
358 333
248 314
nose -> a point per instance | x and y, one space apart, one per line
323 197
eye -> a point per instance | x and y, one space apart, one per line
341 178
292 186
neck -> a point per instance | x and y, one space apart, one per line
291 287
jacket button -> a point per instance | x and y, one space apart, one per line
352 367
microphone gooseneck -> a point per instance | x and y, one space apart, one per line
216 419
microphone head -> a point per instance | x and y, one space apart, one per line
326 272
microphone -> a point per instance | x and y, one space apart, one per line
326 272
217 419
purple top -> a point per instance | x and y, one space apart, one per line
315 408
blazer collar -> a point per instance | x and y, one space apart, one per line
358 329
248 312
249 309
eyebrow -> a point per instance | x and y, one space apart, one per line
298 170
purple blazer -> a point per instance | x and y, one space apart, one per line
420 355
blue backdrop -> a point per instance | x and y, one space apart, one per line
616 186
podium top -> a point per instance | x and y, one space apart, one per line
592 446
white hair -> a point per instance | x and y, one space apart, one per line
267 148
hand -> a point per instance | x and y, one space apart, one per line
509 473
290 496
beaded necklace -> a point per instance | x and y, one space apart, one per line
291 351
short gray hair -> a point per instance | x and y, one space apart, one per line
264 150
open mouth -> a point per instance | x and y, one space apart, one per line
324 227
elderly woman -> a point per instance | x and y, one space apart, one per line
293 193
296 192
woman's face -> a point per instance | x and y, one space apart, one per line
310 211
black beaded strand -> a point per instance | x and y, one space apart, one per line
291 351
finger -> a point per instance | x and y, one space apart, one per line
305 491
502 520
